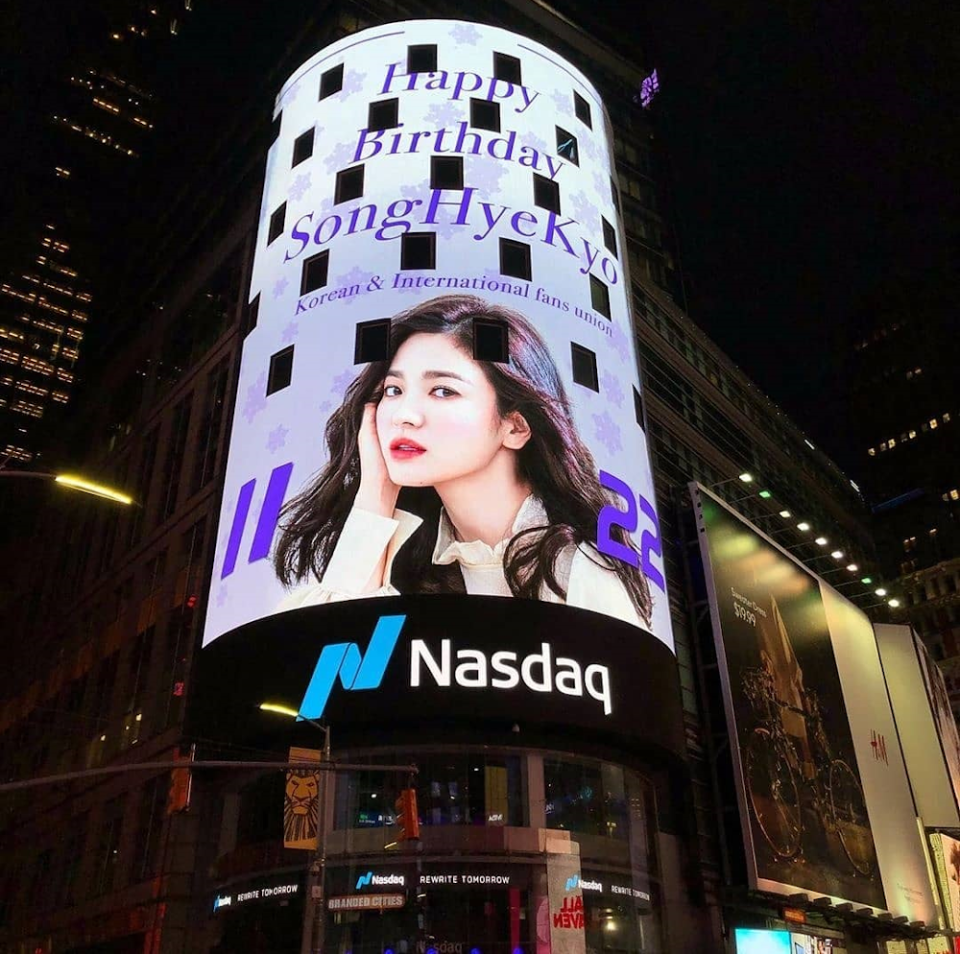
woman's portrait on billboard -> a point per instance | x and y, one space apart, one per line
447 474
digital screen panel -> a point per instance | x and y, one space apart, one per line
439 390
826 806
758 941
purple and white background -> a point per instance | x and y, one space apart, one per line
276 444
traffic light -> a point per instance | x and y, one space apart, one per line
406 815
178 796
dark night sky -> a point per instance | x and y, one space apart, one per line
813 145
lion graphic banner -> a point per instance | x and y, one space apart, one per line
300 802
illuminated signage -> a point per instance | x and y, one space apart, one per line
440 392
542 671
366 902
257 892
378 880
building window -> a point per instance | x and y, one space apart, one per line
418 250
599 296
349 185
331 81
383 115
303 147
275 127
276 223
910 543
638 408
314 272
515 259
582 108
251 315
107 859
609 236
422 59
546 193
507 68
446 172
615 194
176 449
584 367
485 115
567 146
490 341
372 341
281 370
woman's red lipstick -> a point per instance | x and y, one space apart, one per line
402 448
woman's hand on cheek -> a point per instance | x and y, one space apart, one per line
377 492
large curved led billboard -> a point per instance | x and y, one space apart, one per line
440 391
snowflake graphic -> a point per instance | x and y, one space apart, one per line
602 184
352 83
339 157
541 145
342 381
466 33
620 342
584 211
290 332
589 148
447 230
325 407
416 191
563 102
445 113
483 175
356 276
300 186
612 388
222 595
277 438
607 431
256 398
280 286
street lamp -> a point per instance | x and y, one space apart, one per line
73 482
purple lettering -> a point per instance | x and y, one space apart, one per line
520 217
460 85
556 228
588 248
436 200
491 220
302 237
615 277
401 208
370 137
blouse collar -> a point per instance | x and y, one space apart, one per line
477 553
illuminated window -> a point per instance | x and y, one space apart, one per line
582 108
955 494
584 367
912 434
599 296
506 68
609 236
546 193
490 340
303 147
515 259
384 115
892 443
331 82
567 147
946 418
422 58
372 341
872 452
349 185
909 544
281 370
933 423
418 250
275 228
446 172
485 115
314 273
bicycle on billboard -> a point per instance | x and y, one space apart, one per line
787 772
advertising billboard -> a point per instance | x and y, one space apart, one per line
825 803
928 731
440 392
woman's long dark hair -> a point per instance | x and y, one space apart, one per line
554 462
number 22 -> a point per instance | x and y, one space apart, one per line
610 517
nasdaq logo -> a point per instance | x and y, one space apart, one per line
379 880
572 883
356 672
364 880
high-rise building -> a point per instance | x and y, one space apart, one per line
536 819
86 150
